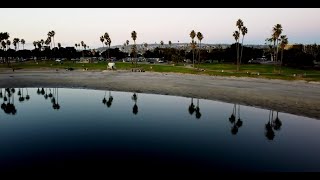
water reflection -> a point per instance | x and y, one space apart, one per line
272 124
235 119
192 108
110 99
135 106
8 102
167 133
51 94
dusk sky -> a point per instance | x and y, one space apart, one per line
156 24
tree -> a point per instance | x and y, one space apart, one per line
35 44
244 31
161 42
76 45
23 42
277 30
8 44
15 43
239 24
283 42
200 37
59 45
102 39
236 35
193 35
170 43
106 37
134 37
52 35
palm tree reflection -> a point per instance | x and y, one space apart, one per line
109 102
235 124
192 109
9 107
272 124
135 106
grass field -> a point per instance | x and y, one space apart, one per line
248 70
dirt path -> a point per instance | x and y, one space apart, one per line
295 97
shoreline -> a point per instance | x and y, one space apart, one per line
294 97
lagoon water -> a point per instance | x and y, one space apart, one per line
60 129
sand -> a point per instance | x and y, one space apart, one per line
295 97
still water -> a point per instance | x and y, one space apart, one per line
57 129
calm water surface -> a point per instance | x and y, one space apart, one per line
51 129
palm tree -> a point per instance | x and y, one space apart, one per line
277 30
109 43
82 44
52 35
8 44
102 39
15 43
106 37
284 41
35 44
192 35
200 37
239 24
244 31
134 37
59 45
23 42
236 36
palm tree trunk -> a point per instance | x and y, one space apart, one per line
199 54
237 54
193 57
108 53
54 45
281 61
241 49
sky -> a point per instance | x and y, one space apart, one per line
155 24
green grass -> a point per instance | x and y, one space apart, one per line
251 70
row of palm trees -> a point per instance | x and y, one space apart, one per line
236 34
279 41
193 44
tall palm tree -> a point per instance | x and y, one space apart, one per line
244 31
134 37
283 42
35 44
82 44
8 44
200 37
109 43
16 42
236 36
106 37
239 24
52 35
102 39
193 35
23 42
276 30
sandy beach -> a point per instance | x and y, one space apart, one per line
295 97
